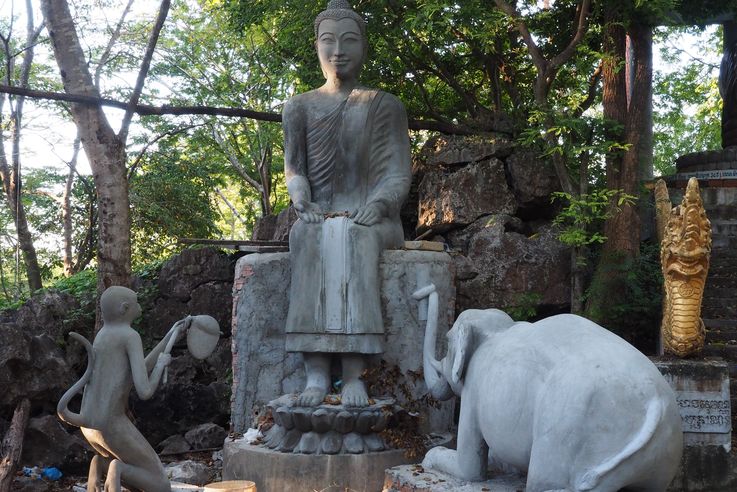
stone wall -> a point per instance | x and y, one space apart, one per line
490 202
263 371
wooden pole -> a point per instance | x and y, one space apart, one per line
12 445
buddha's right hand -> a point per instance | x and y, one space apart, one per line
308 211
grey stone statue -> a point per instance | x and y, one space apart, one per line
116 363
347 163
564 400
728 85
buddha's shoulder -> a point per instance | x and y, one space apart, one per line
298 103
389 100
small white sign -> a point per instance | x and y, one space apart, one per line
706 175
704 412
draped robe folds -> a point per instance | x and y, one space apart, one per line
356 154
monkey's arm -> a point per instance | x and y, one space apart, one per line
153 356
145 385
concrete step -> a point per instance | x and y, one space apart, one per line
720 211
720 280
712 310
720 324
723 242
721 291
723 227
727 351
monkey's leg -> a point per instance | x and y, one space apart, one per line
94 478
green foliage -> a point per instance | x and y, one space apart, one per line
581 215
687 109
170 198
636 314
451 62
525 306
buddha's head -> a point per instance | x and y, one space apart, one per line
340 39
119 304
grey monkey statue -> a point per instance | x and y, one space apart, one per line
115 365
570 403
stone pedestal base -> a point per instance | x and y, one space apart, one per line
702 392
263 369
327 429
413 478
274 471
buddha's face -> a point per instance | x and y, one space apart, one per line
340 48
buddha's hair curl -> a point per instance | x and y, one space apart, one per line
340 9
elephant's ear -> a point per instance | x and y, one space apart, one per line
463 348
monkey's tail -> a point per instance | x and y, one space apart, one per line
62 409
653 416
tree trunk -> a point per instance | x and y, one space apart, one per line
104 150
10 169
66 213
627 97
12 445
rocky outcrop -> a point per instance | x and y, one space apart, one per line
48 442
490 202
33 367
449 200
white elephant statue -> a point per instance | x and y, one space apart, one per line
571 404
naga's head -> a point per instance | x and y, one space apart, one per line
688 234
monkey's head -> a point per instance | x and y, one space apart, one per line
119 304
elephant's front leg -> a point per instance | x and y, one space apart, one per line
470 461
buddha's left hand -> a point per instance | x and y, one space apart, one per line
367 215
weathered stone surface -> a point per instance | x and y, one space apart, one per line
511 268
47 443
450 150
263 371
706 469
275 227
174 445
277 472
414 478
198 281
532 179
448 201
31 366
179 406
206 436
702 391
189 471
44 313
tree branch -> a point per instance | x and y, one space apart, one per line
143 72
140 155
582 27
111 42
148 110
537 57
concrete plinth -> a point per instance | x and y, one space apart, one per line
702 392
413 478
263 370
280 472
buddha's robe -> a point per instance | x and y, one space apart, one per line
356 154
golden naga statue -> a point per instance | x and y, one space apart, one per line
684 256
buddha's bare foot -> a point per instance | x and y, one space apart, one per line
354 394
311 397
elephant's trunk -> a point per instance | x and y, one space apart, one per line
436 383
